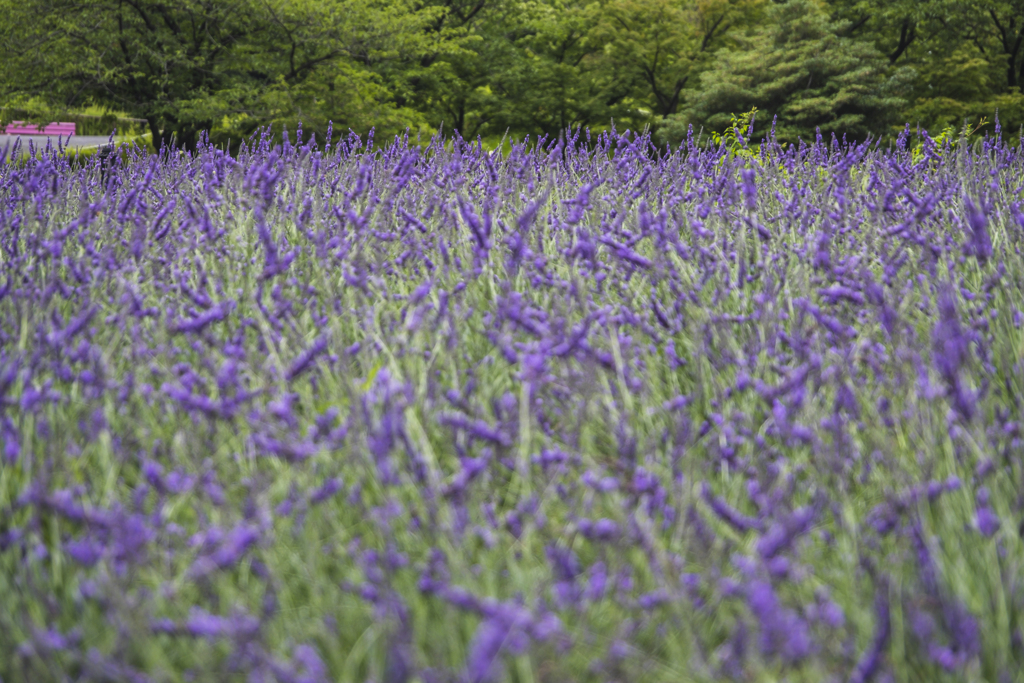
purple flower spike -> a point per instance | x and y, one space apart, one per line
199 323
988 521
598 581
601 530
782 534
313 668
979 243
507 627
304 361
735 519
85 552
783 633
481 664
749 188
328 489
871 661
202 624
951 349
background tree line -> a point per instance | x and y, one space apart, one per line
487 67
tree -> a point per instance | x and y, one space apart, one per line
968 56
560 80
802 68
998 24
192 65
660 47
893 25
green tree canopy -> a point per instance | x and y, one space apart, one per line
660 47
487 67
193 65
801 68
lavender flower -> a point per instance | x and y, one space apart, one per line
782 534
979 243
541 350
871 661
783 633
738 521
200 322
304 361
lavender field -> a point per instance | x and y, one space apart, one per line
578 411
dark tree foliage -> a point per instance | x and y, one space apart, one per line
152 59
799 68
193 65
493 67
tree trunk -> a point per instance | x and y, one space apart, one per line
162 137
908 32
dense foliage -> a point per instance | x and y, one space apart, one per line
570 413
487 67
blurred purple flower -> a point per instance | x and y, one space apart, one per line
871 661
202 624
598 581
783 633
200 322
782 534
749 188
310 664
325 491
86 552
951 349
305 360
601 530
979 243
726 513
228 551
988 522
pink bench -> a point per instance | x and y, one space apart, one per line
22 128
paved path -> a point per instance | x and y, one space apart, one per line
39 141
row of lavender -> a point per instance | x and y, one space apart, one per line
575 412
